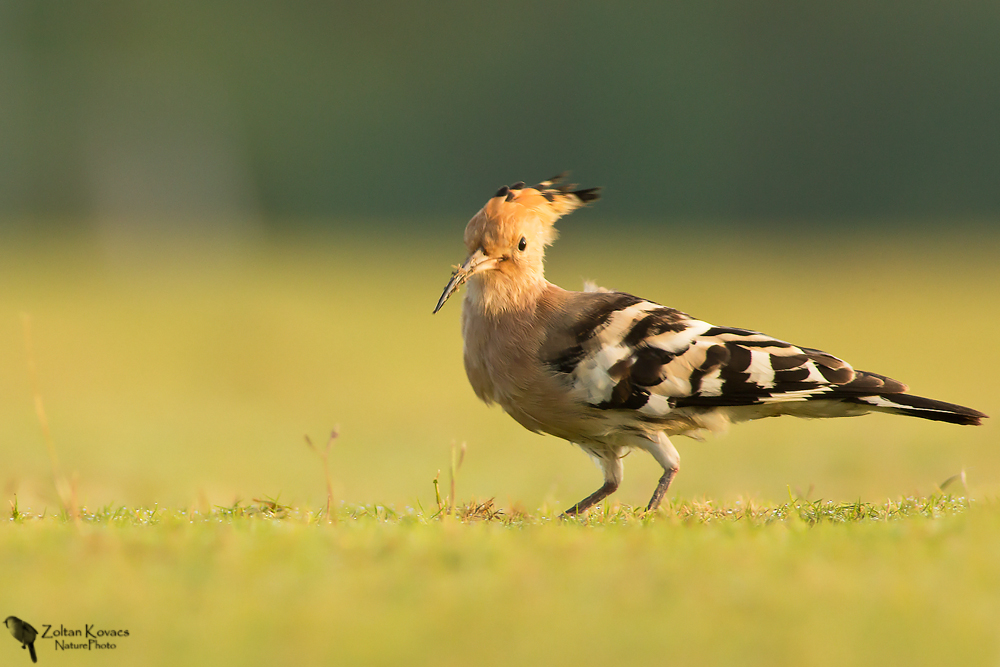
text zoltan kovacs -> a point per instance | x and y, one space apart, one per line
89 638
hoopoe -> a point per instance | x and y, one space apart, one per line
611 372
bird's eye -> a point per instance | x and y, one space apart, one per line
522 244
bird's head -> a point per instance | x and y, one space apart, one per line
506 241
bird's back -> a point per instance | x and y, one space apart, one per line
583 365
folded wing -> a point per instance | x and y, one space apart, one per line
630 354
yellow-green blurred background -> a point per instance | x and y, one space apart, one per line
228 223
184 377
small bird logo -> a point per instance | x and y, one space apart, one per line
23 632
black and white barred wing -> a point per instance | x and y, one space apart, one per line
631 354
625 353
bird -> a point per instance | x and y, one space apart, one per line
24 633
612 372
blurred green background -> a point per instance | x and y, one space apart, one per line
228 223
264 110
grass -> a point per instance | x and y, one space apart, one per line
816 583
678 512
176 386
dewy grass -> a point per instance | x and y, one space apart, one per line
674 512
909 581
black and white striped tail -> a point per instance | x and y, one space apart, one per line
925 408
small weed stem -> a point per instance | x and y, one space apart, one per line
65 490
325 458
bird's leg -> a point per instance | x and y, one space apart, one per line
611 463
661 488
666 455
591 500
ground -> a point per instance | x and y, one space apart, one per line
176 384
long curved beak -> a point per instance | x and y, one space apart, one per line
477 262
